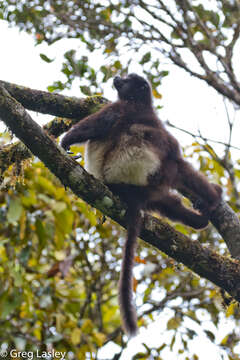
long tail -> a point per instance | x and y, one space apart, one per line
127 308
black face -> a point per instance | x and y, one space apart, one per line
133 88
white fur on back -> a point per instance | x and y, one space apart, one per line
131 161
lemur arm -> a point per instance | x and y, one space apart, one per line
94 126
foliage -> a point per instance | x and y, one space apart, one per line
59 267
56 265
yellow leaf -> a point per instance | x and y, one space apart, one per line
87 326
173 323
109 312
195 282
224 340
60 320
99 338
230 309
23 314
195 144
108 51
70 324
23 219
212 294
76 336
38 330
156 94
32 262
3 255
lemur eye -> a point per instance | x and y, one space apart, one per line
143 86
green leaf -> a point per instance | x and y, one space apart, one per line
14 211
64 221
173 341
146 58
173 323
99 338
45 58
210 335
9 302
29 199
86 90
57 85
25 254
41 233
175 35
46 185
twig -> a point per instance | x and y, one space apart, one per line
168 123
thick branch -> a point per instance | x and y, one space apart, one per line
54 104
223 271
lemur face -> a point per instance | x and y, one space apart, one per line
133 88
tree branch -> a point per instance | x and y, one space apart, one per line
54 104
223 271
199 136
46 103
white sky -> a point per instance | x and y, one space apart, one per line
188 103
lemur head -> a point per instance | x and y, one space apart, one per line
133 88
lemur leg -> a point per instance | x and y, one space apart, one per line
193 180
170 205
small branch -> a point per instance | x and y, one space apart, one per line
230 125
195 136
223 271
229 55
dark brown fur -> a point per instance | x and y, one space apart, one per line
133 116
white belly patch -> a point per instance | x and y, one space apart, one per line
94 158
131 161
